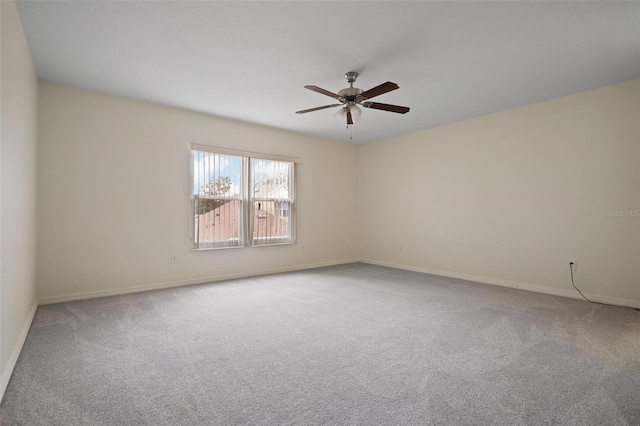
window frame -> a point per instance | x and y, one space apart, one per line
246 211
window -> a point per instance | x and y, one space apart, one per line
282 209
240 199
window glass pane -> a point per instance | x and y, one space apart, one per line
219 226
216 175
271 179
269 226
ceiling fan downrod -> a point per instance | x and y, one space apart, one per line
351 77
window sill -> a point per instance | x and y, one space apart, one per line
288 243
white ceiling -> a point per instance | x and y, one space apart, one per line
250 60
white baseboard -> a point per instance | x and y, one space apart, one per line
15 353
170 284
512 284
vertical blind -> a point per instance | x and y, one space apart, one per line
239 200
218 199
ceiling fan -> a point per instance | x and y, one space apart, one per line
351 97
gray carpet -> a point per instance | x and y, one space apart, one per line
347 345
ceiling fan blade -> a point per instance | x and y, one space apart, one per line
322 91
349 117
317 109
379 90
386 107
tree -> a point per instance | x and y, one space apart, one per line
280 179
217 187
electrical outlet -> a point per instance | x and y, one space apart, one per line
400 247
301 247
572 266
174 258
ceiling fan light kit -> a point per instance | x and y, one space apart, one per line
355 110
351 97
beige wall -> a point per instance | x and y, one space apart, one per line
18 91
509 198
114 195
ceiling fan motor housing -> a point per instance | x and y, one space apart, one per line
350 93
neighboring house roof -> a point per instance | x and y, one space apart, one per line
271 190
221 224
